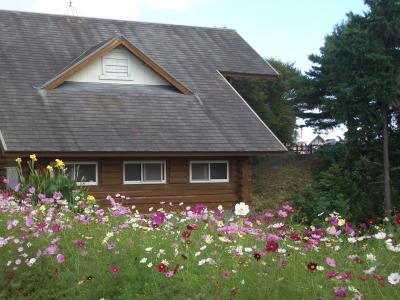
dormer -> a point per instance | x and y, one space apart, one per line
115 61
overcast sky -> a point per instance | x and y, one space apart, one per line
289 30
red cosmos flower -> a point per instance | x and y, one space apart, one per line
346 276
257 256
162 268
370 221
398 218
380 278
295 237
80 244
271 246
186 234
234 291
191 227
312 266
115 269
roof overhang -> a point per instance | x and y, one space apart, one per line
143 154
3 146
249 75
105 47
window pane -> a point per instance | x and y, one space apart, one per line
152 172
133 172
86 172
199 171
70 172
219 170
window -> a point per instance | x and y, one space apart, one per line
85 173
209 171
12 175
136 172
116 65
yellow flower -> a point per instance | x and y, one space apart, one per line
33 157
60 164
341 222
90 199
49 168
18 160
220 223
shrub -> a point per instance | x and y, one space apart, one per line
44 183
350 187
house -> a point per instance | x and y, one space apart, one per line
317 141
140 109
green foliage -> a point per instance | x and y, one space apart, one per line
48 181
355 82
350 187
273 100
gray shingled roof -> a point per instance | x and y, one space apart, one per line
80 117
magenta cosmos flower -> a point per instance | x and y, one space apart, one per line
115 269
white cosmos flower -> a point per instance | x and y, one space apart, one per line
380 235
202 262
371 257
370 270
351 240
241 209
143 260
394 278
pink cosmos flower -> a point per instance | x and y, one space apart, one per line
32 190
60 258
111 246
226 274
341 292
99 212
56 228
29 222
170 274
52 249
6 181
330 262
115 269
80 244
282 213
158 218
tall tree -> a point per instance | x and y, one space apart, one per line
274 100
355 81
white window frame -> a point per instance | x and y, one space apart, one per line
209 162
85 163
105 76
143 162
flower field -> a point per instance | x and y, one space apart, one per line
52 250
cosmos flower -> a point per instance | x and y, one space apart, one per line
241 209
271 246
115 269
330 262
312 266
394 278
162 268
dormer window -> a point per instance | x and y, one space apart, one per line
116 65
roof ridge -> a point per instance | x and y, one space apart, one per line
119 20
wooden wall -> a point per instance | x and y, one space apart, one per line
177 189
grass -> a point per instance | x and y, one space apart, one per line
120 254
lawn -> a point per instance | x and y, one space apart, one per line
52 250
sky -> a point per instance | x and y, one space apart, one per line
288 30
